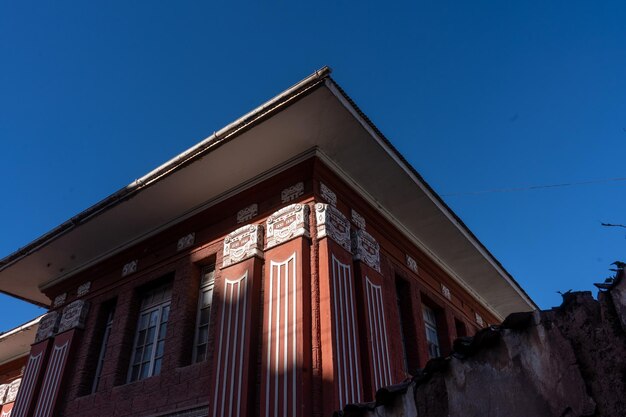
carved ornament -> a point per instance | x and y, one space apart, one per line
333 224
479 319
74 315
130 268
358 220
446 292
328 195
247 213
292 193
243 243
366 249
287 223
47 326
59 300
83 289
411 263
186 241
3 392
14 387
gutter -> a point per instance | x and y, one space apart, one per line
186 157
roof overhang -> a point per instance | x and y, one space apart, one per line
314 117
16 342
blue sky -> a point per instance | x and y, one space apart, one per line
481 95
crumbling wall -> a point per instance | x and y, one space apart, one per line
565 362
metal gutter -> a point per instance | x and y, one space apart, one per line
186 157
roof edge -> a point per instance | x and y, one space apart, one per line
168 167
341 94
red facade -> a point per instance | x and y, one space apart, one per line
306 315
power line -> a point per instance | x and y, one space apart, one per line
533 187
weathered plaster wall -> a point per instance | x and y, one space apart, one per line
568 361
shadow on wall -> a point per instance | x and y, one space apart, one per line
568 361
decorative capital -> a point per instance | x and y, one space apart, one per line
366 249
358 220
130 268
186 241
287 223
333 224
83 289
247 213
14 387
59 300
411 263
328 195
243 243
47 326
292 193
74 315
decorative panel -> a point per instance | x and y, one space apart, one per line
230 372
345 334
52 379
29 381
287 223
379 347
243 243
366 249
281 347
333 224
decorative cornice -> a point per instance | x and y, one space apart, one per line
247 213
59 300
243 243
366 249
83 289
186 241
292 193
130 268
328 195
47 326
74 315
287 223
333 224
358 220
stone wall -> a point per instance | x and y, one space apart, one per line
568 361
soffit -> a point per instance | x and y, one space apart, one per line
319 121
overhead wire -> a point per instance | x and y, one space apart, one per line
534 187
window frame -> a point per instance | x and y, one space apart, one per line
110 316
146 311
207 286
430 323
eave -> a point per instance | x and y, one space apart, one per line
314 117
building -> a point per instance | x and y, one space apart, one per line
14 350
289 264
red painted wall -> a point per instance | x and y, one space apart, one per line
183 385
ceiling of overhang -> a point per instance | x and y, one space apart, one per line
317 120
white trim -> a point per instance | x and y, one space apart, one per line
332 87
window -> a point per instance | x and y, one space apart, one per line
109 313
408 335
201 340
150 336
432 338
